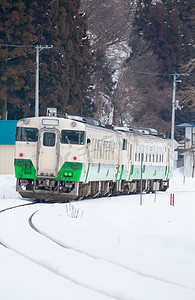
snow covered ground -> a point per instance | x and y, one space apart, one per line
108 248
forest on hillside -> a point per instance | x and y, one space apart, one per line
112 59
64 69
138 46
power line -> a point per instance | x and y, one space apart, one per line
153 73
70 55
11 58
19 46
75 55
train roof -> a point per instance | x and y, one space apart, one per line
97 123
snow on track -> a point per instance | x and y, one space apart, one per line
20 239
114 249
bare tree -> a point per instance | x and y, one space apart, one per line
126 89
109 24
187 94
139 98
109 21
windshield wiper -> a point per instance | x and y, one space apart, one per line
67 139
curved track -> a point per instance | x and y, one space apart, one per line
47 265
99 258
79 258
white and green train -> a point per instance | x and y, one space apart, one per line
71 158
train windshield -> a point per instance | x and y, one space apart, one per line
49 139
25 134
73 137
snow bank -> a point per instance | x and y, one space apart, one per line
180 183
8 187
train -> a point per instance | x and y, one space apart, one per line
64 158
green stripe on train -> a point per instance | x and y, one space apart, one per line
148 172
24 168
70 171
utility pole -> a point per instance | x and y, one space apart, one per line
175 106
38 49
141 181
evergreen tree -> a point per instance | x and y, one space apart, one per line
63 70
15 61
169 26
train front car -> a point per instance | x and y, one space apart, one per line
50 153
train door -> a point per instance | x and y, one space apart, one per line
129 158
120 160
48 153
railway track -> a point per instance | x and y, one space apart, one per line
46 265
97 263
61 244
13 207
16 206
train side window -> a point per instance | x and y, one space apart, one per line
138 157
49 139
130 150
105 150
92 148
95 148
24 134
124 144
108 147
98 148
101 149
110 150
94 145
113 149
73 137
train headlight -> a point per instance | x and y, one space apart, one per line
68 174
75 158
21 154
